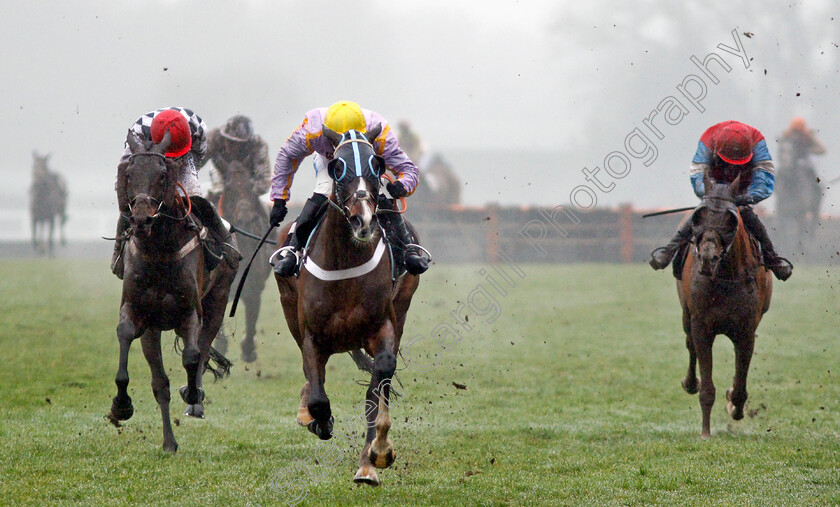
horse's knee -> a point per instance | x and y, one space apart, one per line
385 364
160 388
191 357
707 395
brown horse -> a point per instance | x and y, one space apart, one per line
345 298
240 205
47 203
724 290
166 285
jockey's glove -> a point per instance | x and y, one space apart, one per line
278 212
744 200
396 189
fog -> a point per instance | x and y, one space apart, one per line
519 96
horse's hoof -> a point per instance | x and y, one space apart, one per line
304 417
689 386
249 355
366 475
321 429
170 447
384 458
185 395
196 411
122 411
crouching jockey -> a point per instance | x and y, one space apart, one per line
725 151
308 139
188 146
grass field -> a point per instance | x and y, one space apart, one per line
572 397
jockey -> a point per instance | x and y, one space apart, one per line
797 143
725 151
236 141
187 147
308 139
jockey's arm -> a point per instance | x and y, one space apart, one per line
817 147
763 179
396 159
297 147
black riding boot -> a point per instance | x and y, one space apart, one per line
661 257
221 234
780 266
117 266
400 240
296 239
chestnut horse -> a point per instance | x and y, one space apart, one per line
724 290
345 298
166 285
240 204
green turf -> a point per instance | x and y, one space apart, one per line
572 397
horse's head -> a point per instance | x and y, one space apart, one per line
356 169
148 182
239 200
715 224
39 164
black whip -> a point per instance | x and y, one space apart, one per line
248 268
667 212
247 234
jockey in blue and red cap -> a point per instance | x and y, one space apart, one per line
727 150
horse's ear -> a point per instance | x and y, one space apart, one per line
373 133
164 143
736 183
707 184
134 143
332 136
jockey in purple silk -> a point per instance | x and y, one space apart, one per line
308 139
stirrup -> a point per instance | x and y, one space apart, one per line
422 250
281 251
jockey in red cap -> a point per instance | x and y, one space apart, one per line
725 151
188 146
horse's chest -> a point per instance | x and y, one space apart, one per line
164 309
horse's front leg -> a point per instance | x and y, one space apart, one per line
160 385
689 383
314 368
121 407
736 396
379 449
191 358
703 341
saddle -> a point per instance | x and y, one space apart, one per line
204 215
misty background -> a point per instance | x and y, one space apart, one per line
518 96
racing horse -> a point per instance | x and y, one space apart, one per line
724 290
799 198
166 285
47 203
240 204
346 297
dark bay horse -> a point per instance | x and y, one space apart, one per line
165 285
240 204
47 203
724 290
345 298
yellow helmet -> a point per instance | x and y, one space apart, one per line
345 115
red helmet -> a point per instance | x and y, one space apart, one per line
733 143
179 131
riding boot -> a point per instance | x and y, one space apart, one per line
299 234
401 241
117 266
780 266
221 234
661 257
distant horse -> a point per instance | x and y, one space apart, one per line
724 290
799 196
47 203
346 299
240 204
166 285
439 186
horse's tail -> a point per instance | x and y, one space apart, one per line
363 361
222 363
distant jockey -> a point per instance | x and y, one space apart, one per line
725 151
308 139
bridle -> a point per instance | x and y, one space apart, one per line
159 211
360 195
718 204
